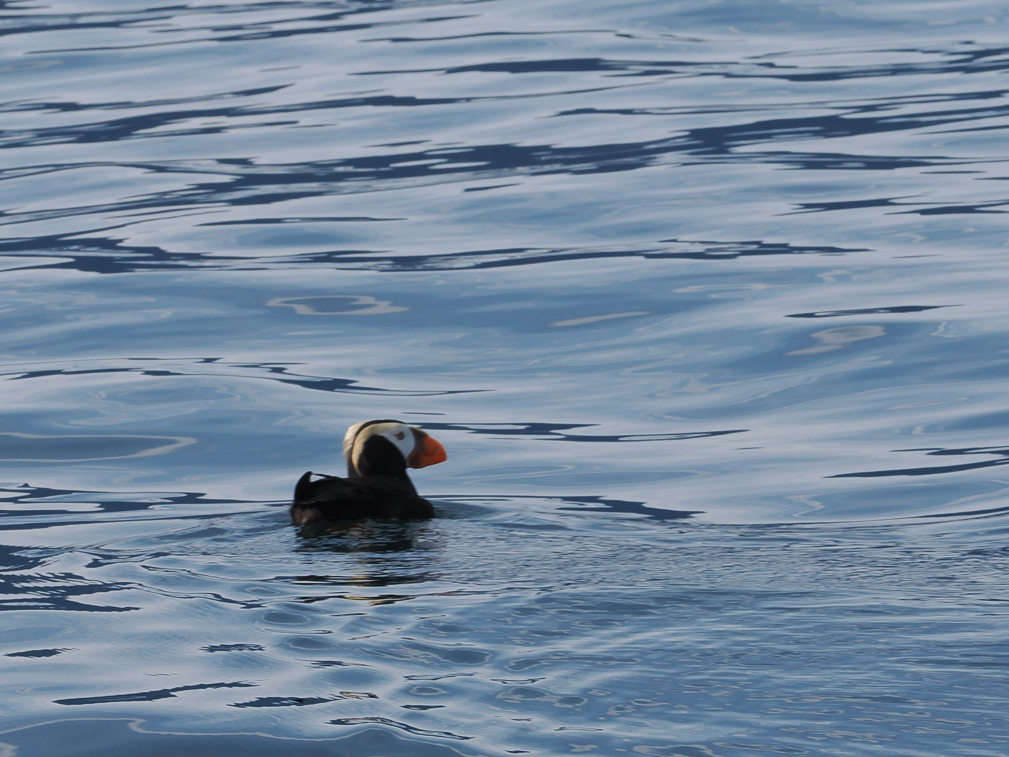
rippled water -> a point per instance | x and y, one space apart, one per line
706 301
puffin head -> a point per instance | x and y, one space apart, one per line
388 448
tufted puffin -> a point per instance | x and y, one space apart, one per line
378 454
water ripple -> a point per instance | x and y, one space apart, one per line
402 726
616 227
1001 458
151 696
541 430
214 366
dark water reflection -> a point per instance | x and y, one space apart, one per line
705 301
1001 458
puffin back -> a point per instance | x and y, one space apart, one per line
341 499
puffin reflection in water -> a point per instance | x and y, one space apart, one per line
378 454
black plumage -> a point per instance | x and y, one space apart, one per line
377 485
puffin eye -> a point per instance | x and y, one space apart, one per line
400 435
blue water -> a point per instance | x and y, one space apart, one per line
706 301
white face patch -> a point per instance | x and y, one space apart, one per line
400 435
397 433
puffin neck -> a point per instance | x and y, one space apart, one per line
380 457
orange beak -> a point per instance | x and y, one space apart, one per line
431 453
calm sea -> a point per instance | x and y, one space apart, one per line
707 302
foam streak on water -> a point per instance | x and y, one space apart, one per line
705 301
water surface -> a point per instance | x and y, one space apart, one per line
705 300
